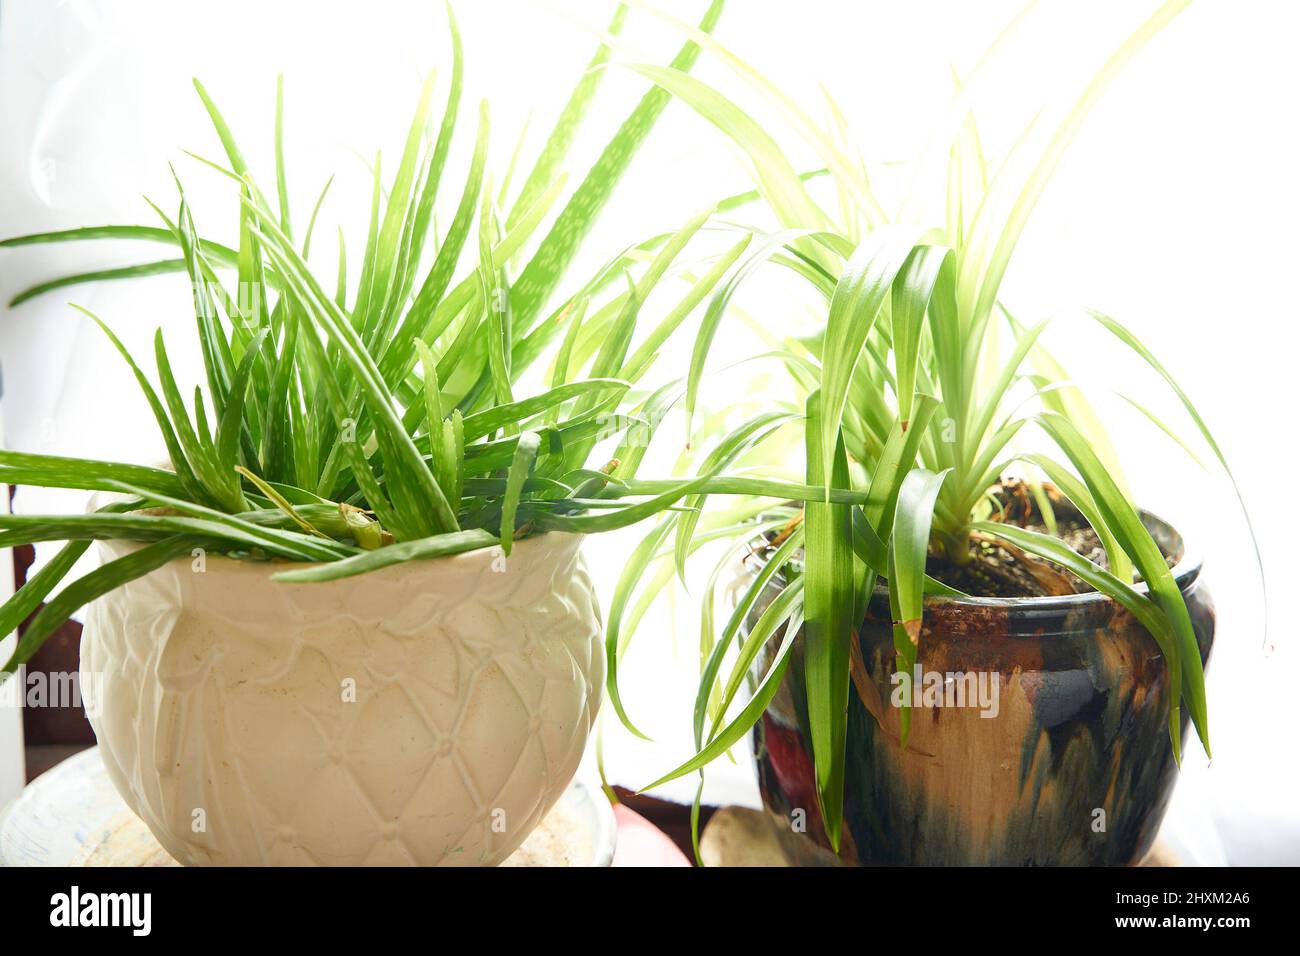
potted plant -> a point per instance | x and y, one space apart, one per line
946 665
349 622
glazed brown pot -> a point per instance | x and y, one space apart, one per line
1071 766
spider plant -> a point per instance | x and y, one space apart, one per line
916 390
353 425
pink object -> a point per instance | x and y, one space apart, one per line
641 843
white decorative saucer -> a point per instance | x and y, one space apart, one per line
72 816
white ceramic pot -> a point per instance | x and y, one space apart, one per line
426 713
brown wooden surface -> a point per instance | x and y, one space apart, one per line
42 757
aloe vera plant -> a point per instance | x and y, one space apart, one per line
916 389
354 425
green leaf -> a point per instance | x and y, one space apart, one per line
981 273
422 318
281 502
438 161
493 419
215 348
54 471
731 447
195 453
784 609
1025 341
204 520
496 304
625 515
718 307
37 586
435 546
895 461
379 401
545 270
1122 518
1159 423
1134 343
1147 612
643 357
525 455
560 370
567 125
281 179
1121 566
776 564
640 558
161 267
766 689
35 589
177 457
85 589
777 180
909 548
863 285
145 233
237 162
386 261
232 417
911 298
828 610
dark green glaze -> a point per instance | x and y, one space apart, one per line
1081 727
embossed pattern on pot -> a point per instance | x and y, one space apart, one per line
428 713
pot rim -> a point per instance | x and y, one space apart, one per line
1186 571
462 560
